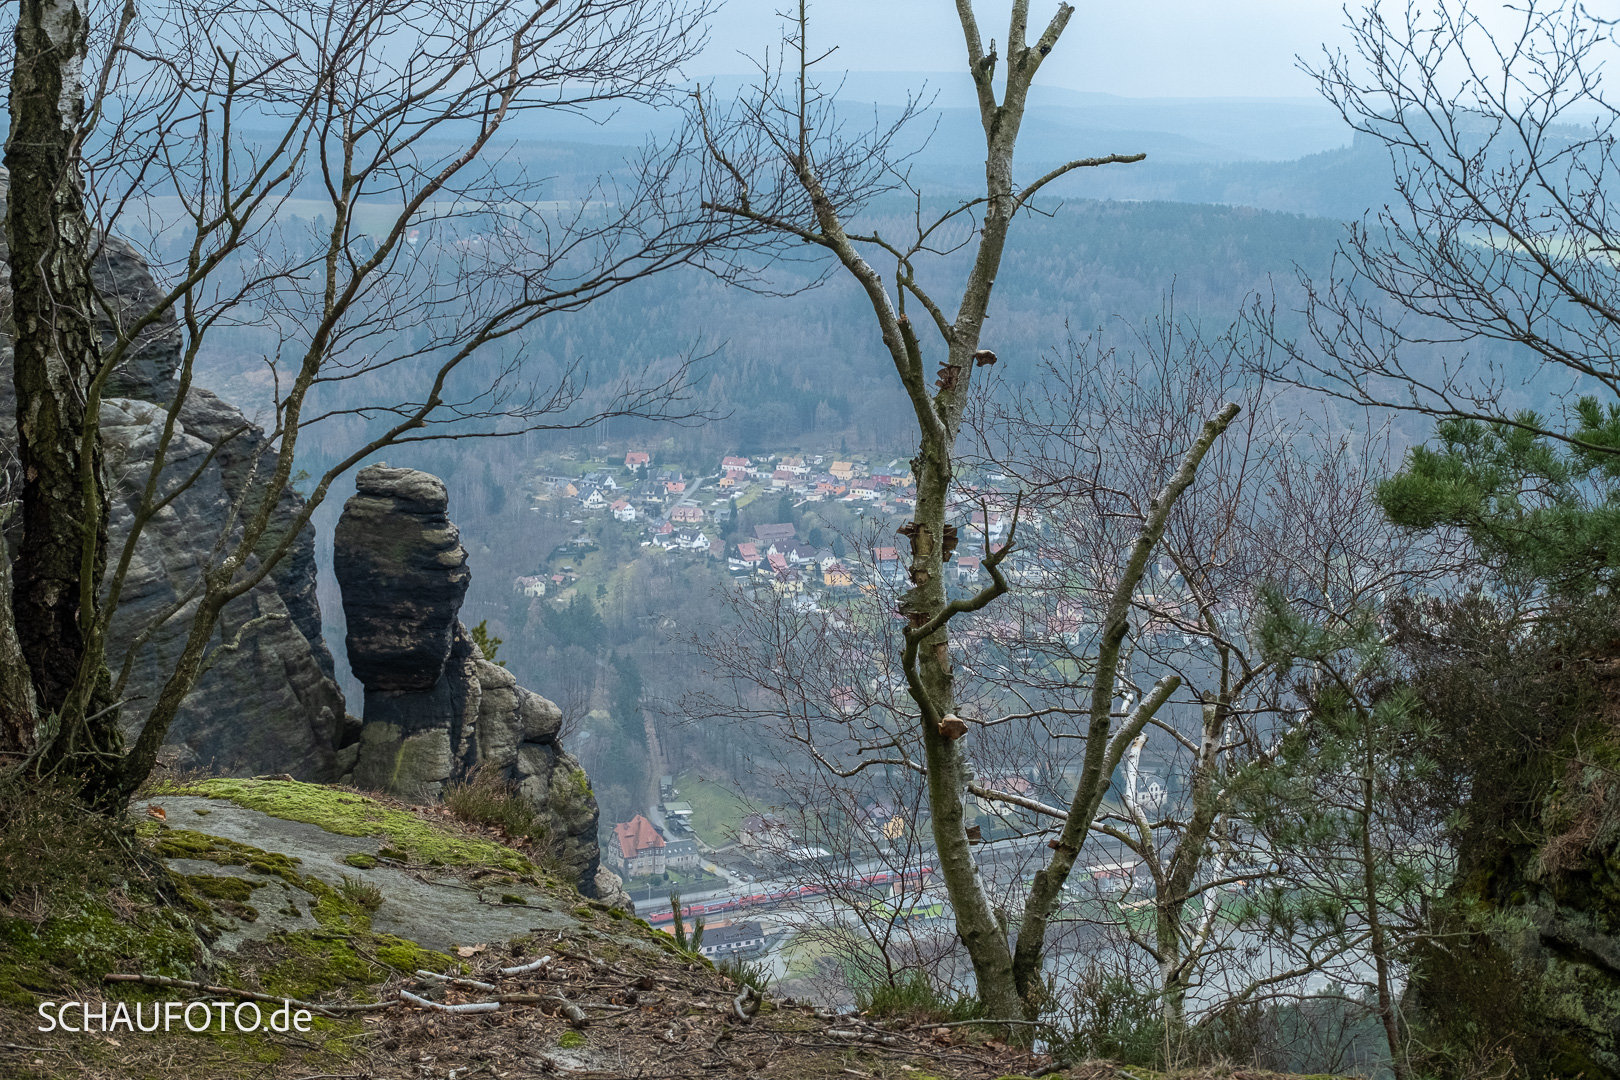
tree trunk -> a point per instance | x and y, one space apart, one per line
982 930
1172 979
1378 942
17 709
62 552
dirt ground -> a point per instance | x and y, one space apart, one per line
662 1019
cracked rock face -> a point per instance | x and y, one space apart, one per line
270 702
436 711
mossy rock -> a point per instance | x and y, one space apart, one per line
347 813
222 888
308 964
408 956
361 861
190 844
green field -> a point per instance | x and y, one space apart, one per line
716 811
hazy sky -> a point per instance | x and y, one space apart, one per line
1136 48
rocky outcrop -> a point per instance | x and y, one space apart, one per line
404 574
436 711
269 702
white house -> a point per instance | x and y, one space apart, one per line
738 937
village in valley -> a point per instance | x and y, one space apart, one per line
809 533
701 515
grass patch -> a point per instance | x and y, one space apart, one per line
53 848
716 812
490 799
348 813
81 895
913 997
744 972
362 893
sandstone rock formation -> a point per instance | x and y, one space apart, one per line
271 704
436 711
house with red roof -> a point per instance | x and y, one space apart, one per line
637 457
637 849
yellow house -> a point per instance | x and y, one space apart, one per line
842 469
836 577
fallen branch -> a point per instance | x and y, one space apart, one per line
740 1004
32 1049
465 984
471 1007
862 1036
524 969
573 1012
246 995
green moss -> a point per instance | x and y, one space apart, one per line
222 888
349 814
408 955
512 898
361 861
570 1040
189 844
393 853
77 949
200 811
309 964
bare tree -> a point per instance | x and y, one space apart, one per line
399 319
782 162
870 901
1280 508
1488 281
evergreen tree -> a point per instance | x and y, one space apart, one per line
494 492
1539 507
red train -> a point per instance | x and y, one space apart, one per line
665 916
